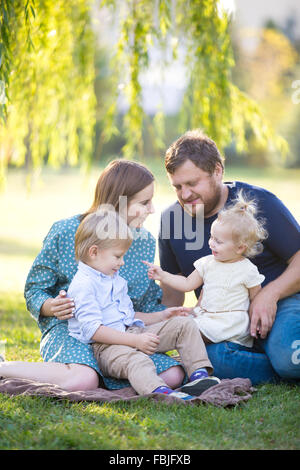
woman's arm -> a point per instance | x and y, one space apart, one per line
61 307
171 297
43 279
162 315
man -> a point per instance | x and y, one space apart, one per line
195 169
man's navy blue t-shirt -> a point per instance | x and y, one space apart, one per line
282 243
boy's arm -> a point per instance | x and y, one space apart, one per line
145 342
107 335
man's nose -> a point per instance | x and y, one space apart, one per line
185 193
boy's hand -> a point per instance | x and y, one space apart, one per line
154 272
176 311
147 342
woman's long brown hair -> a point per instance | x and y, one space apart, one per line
120 178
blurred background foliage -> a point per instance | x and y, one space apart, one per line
72 78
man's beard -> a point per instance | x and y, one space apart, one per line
209 205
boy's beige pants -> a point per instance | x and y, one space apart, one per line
125 362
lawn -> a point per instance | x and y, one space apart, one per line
270 420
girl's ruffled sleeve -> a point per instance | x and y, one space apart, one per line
253 277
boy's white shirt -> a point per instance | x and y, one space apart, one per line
99 300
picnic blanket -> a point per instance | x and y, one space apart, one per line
229 392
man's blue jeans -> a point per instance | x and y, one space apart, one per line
272 359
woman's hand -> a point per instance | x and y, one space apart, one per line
176 311
60 307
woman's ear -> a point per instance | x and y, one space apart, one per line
93 251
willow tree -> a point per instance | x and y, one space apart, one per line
47 50
47 70
211 101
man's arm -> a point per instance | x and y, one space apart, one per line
264 305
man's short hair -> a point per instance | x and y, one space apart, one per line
195 146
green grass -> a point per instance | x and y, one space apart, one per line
270 420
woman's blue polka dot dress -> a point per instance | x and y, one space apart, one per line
53 270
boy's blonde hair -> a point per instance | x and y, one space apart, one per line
246 227
105 229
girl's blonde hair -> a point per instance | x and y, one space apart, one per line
246 227
103 228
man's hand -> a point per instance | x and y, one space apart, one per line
262 312
147 342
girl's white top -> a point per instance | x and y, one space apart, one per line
223 313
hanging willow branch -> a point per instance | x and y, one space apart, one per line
211 101
47 76
48 68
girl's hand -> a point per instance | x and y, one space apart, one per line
176 311
154 272
61 306
147 342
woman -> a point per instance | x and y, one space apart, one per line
127 187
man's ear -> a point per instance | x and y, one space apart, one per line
219 170
93 251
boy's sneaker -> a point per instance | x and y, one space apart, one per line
198 386
183 396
